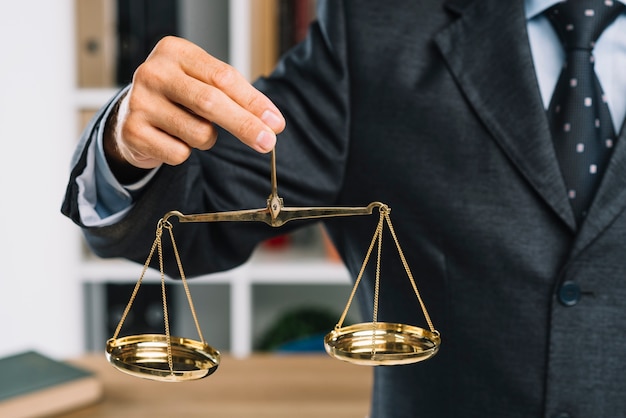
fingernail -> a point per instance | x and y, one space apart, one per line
265 141
272 120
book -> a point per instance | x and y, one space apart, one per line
294 18
34 385
95 42
140 25
263 37
275 27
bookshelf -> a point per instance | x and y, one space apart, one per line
237 306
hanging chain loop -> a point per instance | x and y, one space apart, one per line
377 238
158 246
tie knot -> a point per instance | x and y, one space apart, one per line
579 23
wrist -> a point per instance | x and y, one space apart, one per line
124 172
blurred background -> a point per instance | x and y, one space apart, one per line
61 61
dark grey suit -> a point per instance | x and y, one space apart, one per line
435 110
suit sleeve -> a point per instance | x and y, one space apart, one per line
310 86
81 161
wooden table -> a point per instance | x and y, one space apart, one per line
276 386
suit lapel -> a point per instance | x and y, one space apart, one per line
610 198
487 51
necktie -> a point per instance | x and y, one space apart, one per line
581 125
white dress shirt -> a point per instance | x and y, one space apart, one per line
103 200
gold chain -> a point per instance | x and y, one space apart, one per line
168 226
164 298
378 237
156 242
378 231
408 272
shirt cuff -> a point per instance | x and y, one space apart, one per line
102 200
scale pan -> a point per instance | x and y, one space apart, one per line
146 356
381 344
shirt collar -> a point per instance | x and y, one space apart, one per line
536 7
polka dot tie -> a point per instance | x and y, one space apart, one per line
581 125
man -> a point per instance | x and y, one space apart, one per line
439 110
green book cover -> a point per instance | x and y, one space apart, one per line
30 372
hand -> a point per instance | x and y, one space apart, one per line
176 97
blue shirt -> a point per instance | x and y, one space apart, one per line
103 200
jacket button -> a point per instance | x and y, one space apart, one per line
569 293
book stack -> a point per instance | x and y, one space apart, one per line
33 385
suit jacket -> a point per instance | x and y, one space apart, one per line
434 109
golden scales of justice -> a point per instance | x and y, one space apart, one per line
174 359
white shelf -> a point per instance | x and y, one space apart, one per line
264 267
93 98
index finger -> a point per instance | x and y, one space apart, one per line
228 99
